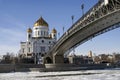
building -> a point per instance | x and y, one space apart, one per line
39 40
79 59
90 54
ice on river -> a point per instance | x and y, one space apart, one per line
67 75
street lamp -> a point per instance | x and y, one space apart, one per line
63 29
58 35
72 17
82 7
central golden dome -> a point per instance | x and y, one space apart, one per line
41 22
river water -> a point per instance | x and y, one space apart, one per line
111 74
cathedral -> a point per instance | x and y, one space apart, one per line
39 40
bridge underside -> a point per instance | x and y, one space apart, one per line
79 34
54 59
86 33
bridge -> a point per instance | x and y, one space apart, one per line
102 17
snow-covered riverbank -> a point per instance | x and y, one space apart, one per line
113 74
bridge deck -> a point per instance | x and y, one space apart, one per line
99 19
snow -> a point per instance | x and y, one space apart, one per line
67 75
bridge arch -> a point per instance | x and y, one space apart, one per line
48 60
98 20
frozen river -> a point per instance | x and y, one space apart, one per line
113 74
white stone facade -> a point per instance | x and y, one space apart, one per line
39 41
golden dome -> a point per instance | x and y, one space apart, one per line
54 30
41 22
29 30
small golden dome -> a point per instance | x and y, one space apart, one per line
41 22
29 30
54 30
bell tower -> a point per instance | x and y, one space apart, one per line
29 34
54 34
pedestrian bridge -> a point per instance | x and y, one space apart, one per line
102 17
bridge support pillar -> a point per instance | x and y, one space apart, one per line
58 59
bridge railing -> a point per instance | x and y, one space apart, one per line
97 11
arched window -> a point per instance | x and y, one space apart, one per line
28 49
44 33
41 33
42 49
23 50
38 33
29 36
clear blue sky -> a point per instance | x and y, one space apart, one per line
17 15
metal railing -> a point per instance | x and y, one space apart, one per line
96 12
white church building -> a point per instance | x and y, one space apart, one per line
39 40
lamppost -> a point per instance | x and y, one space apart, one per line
82 7
72 17
58 35
63 29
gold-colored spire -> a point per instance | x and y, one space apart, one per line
41 22
29 30
54 30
